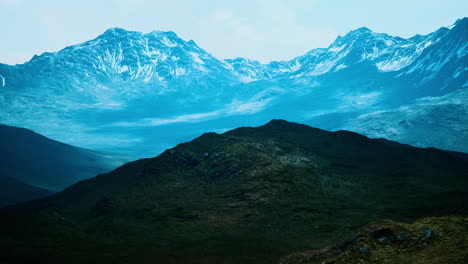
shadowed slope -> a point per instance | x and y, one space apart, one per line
40 161
13 191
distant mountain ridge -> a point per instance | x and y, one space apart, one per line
110 86
13 191
32 159
387 53
160 55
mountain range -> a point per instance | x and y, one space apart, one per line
138 93
249 195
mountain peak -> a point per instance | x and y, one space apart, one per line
364 29
279 123
362 32
115 31
283 125
168 34
462 22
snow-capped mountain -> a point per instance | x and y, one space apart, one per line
113 86
443 66
387 53
119 63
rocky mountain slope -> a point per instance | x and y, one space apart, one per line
430 240
250 195
427 121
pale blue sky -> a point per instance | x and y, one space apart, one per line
258 29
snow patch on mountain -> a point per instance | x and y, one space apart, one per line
395 64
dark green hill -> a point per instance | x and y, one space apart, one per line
37 160
250 195
13 191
